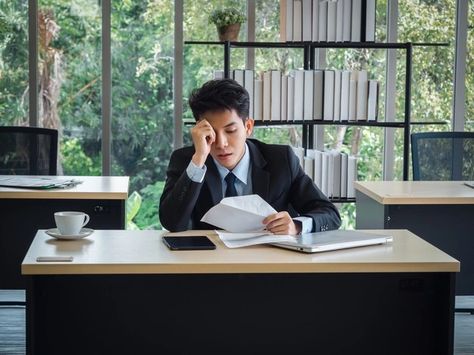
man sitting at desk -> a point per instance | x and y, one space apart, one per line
225 162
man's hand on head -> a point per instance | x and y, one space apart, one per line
281 223
203 136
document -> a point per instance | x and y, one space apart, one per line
37 182
238 240
239 214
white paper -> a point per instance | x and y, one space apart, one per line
237 240
239 214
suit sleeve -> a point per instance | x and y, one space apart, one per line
179 195
308 200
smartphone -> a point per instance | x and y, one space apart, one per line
189 242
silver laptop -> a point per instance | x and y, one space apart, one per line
334 240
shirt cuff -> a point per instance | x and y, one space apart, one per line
195 173
306 224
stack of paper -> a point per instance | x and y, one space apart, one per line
37 182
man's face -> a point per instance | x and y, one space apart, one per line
231 133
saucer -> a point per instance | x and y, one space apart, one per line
84 232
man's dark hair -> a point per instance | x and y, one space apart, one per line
220 95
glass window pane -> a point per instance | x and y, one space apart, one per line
69 69
13 62
142 101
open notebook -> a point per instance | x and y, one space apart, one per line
333 240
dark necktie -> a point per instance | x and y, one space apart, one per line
230 190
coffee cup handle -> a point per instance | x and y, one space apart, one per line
87 218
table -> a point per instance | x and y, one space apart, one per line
441 212
125 292
24 211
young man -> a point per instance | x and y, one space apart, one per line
197 177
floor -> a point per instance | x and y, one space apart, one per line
12 326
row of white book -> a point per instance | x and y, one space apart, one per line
327 20
329 95
332 171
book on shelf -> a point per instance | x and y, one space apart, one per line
318 161
308 165
356 20
328 105
286 20
336 176
322 21
331 21
315 21
324 173
345 82
306 27
284 98
218 74
258 100
344 159
275 95
318 91
299 94
339 21
297 20
337 95
347 20
267 98
238 76
351 176
249 86
362 95
370 18
308 97
373 101
290 113
353 96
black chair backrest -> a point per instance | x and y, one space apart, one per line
443 156
28 151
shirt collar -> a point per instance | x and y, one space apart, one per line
240 170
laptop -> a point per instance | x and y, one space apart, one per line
334 240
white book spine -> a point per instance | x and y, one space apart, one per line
336 180
345 82
330 174
309 167
318 91
286 20
331 21
258 100
267 89
370 20
328 107
343 175
324 173
373 102
318 161
275 95
362 95
353 96
249 86
356 20
284 98
351 176
218 74
308 95
307 11
297 20
298 98
347 15
291 99
339 20
323 16
337 95
238 76
315 21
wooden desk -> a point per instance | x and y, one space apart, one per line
441 212
126 291
24 211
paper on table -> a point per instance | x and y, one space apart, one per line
237 240
239 214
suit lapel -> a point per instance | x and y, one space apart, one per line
213 181
260 176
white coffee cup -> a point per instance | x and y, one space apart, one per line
70 222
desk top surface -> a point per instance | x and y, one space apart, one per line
143 252
92 187
417 192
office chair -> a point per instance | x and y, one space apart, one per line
28 151
443 156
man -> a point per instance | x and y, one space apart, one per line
198 177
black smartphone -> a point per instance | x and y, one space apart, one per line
189 242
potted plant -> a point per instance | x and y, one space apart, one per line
228 23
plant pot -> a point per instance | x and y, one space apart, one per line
229 33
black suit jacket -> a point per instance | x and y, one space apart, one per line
276 176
